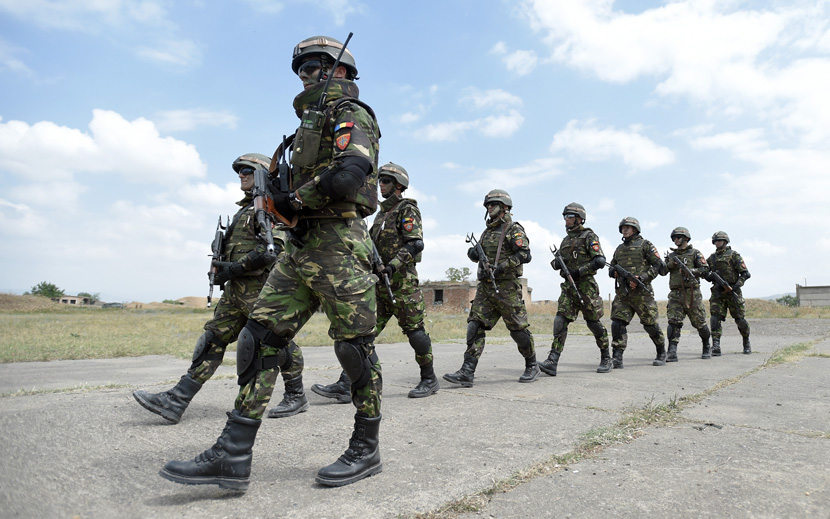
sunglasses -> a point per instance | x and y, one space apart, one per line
569 215
385 180
246 171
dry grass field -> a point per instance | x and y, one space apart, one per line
36 329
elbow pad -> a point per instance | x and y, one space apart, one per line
346 178
598 262
414 247
524 257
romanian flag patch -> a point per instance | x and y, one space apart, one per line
408 224
342 126
595 246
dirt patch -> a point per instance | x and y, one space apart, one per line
14 303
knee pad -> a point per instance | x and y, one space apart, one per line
672 331
420 342
474 332
203 345
704 333
596 328
714 322
354 361
523 338
249 360
743 326
560 327
618 328
653 331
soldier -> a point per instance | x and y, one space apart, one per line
684 292
241 278
730 267
399 237
635 263
583 257
327 263
506 248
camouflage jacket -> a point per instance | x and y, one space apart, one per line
241 241
693 259
730 265
578 248
515 249
398 222
350 129
640 257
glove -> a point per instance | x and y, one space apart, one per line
282 206
226 270
554 264
575 275
738 284
388 270
705 275
472 253
500 269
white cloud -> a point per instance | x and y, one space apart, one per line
492 99
84 15
182 120
502 124
531 173
172 52
586 141
763 247
521 62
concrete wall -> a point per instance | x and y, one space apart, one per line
813 296
457 295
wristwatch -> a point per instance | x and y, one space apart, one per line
295 203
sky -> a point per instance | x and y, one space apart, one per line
119 121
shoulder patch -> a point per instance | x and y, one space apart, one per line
343 126
519 242
408 224
342 141
594 245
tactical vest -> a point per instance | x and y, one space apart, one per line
677 277
387 231
364 201
633 255
490 244
574 249
722 262
241 236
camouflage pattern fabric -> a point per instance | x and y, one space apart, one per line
731 267
515 249
681 305
578 248
398 222
488 307
685 297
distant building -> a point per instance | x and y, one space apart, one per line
73 300
812 296
456 295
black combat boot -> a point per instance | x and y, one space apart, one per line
428 384
340 390
707 351
747 346
227 463
531 370
660 359
617 359
293 402
361 459
672 354
549 365
172 403
716 346
466 374
605 364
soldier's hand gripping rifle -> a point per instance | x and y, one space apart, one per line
685 268
378 263
217 247
627 276
482 260
719 281
557 256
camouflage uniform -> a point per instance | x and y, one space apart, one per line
639 257
506 248
685 298
731 267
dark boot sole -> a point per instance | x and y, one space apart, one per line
716 353
340 397
656 362
671 359
528 380
164 413
370 471
547 371
240 484
448 378
431 390
275 413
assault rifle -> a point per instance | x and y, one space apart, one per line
216 249
378 263
685 268
557 257
264 210
628 276
720 282
482 260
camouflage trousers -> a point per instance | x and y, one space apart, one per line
685 304
488 307
229 317
720 303
569 306
331 271
637 301
408 308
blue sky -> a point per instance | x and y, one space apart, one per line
119 120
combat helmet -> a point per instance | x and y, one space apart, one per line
629 220
574 208
499 195
251 160
395 171
720 235
681 231
325 46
